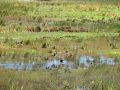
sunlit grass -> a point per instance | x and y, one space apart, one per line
79 11
114 53
33 36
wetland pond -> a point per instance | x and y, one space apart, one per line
83 62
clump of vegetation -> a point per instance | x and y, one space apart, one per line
44 45
34 29
2 23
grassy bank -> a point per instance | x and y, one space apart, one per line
48 45
100 77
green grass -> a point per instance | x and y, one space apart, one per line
57 42
114 53
97 77
92 16
87 11
101 17
34 36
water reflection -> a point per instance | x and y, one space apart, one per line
110 61
16 65
43 65
81 88
84 61
58 63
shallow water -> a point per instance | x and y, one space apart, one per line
81 88
87 61
57 63
17 65
84 61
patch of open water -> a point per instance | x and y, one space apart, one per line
84 61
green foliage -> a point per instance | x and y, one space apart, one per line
2 23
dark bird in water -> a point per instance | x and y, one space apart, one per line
61 61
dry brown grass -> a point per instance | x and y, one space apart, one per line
4 47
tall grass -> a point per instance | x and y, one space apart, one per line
97 77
